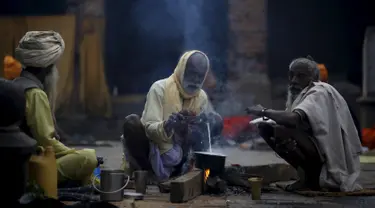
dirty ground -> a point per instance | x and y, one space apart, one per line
245 158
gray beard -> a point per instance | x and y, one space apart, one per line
290 99
50 86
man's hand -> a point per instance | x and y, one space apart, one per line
177 122
187 113
201 118
256 110
173 123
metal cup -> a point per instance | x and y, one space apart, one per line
140 181
256 187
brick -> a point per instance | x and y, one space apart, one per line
187 187
270 173
248 28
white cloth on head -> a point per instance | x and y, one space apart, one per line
334 129
40 48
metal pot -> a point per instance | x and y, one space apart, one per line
209 160
112 184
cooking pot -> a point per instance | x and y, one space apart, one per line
210 160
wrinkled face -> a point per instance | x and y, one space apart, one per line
299 79
195 72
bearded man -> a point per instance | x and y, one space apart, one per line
38 51
315 134
12 70
174 121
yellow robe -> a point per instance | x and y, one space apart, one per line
167 96
77 165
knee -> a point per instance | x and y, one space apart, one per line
88 160
132 118
79 165
131 121
265 130
92 161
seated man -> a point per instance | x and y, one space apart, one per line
174 121
315 134
12 70
39 51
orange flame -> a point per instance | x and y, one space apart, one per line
206 174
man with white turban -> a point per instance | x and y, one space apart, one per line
38 52
174 121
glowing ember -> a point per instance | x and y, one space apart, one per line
206 174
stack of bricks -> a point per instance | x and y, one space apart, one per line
247 51
248 29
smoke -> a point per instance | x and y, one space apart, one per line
174 20
196 34
175 26
160 20
167 28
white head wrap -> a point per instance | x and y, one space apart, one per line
40 48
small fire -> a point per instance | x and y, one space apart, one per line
206 174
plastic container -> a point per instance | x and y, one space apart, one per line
43 170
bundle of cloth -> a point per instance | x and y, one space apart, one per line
12 68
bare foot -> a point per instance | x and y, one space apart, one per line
297 186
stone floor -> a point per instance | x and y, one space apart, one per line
112 157
269 200
113 154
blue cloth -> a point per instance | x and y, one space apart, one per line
97 172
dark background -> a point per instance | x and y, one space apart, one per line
331 31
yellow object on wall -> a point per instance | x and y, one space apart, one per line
94 92
12 30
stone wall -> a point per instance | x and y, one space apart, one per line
248 80
89 7
248 28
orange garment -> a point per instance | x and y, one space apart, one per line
323 73
368 137
12 68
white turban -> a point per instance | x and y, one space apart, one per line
40 48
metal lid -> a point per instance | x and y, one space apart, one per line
136 196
